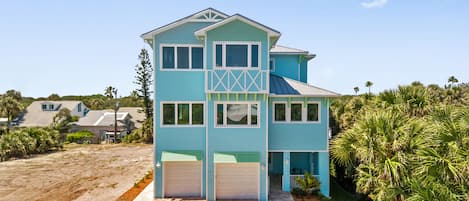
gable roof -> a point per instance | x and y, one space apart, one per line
208 15
271 32
35 116
106 117
288 87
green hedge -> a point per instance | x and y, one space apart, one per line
80 137
23 142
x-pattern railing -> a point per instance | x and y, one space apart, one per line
237 80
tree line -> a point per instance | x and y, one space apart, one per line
409 143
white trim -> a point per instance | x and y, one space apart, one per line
192 18
175 103
176 46
304 112
249 54
301 96
270 32
225 112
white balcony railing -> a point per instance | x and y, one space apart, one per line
237 81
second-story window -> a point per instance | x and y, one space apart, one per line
296 112
235 114
237 54
182 114
182 56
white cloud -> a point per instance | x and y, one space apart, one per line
374 3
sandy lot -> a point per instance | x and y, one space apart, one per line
82 172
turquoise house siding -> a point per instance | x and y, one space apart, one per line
286 66
235 139
299 136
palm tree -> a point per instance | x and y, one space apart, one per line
378 146
10 107
108 91
452 80
356 89
369 84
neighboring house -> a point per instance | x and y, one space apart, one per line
101 122
41 113
234 115
3 122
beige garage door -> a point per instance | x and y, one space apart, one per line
237 181
182 179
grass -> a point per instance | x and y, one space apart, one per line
340 194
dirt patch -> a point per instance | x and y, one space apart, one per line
132 193
84 172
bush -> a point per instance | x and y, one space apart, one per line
308 183
143 134
27 141
80 137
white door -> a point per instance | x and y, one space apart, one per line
182 179
237 181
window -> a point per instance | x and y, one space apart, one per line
280 112
272 64
168 114
79 107
296 112
182 56
183 114
44 107
237 54
197 114
168 57
51 106
235 114
197 57
313 112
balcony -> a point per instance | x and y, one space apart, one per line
237 81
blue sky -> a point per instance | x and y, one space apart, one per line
80 47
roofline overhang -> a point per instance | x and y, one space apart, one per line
149 35
272 33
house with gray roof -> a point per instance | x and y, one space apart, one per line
101 122
41 113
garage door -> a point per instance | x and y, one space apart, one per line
182 179
237 181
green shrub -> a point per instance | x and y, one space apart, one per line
26 141
80 137
308 183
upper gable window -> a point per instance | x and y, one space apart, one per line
180 56
237 54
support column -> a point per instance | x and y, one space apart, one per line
286 172
323 159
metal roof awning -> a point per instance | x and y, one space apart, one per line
236 157
181 155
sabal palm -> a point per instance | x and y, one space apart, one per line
379 143
10 107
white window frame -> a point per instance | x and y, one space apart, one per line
304 112
225 111
248 43
176 103
175 46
